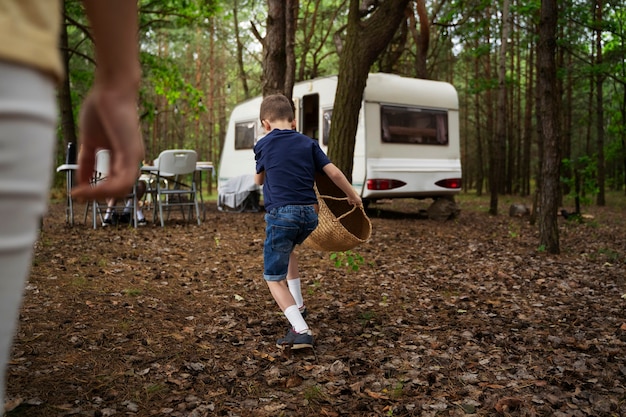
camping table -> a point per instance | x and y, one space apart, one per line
201 167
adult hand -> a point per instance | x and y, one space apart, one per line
109 120
108 117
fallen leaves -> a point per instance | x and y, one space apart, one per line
442 319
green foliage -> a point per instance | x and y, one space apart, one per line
191 63
132 292
313 394
582 182
367 317
349 259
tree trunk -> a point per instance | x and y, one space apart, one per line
601 200
549 122
291 19
365 39
274 52
492 147
240 65
498 170
423 40
528 136
68 124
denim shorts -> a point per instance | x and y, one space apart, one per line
285 228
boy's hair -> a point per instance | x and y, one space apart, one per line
276 107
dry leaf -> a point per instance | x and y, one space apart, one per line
507 404
376 395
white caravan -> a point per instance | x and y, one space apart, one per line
407 142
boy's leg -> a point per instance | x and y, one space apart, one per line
277 251
294 283
299 336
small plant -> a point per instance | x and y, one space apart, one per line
351 260
367 317
541 248
314 287
612 255
398 390
154 389
313 394
513 230
133 292
384 302
79 281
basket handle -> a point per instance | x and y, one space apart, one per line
343 198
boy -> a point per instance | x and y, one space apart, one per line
286 163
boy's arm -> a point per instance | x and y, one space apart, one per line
341 181
259 178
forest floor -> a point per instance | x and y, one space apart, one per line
457 318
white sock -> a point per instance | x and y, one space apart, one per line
295 289
140 214
295 319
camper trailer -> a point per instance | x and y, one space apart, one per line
407 143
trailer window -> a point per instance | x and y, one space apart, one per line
244 135
401 124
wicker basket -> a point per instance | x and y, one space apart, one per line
342 226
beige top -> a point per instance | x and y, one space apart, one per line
29 34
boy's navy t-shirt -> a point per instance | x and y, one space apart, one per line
290 160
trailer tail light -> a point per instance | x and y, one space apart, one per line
384 184
454 183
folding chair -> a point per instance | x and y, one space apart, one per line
103 162
175 165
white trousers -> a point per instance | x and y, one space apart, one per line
28 114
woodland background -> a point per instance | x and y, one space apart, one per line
464 317
200 58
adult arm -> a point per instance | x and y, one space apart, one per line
108 116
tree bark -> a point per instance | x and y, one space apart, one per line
274 52
499 146
291 19
240 65
365 40
528 136
549 123
423 40
601 199
68 123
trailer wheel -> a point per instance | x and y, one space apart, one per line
443 208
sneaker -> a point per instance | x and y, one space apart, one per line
124 218
109 221
295 340
142 222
